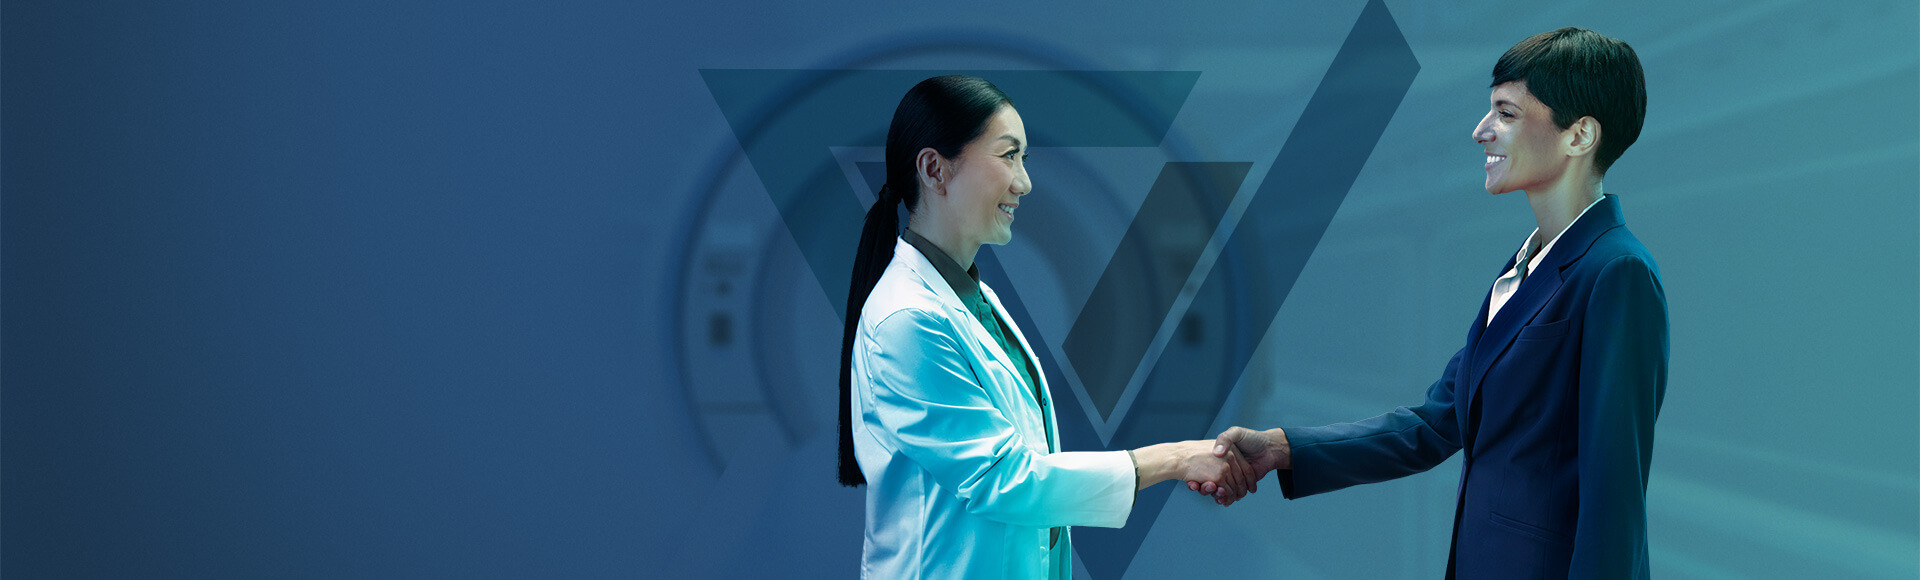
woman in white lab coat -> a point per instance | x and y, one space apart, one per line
944 410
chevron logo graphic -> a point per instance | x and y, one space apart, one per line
1206 255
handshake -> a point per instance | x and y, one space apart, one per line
1227 468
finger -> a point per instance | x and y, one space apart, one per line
1224 442
1193 485
1252 477
1229 438
1240 475
1225 476
1236 473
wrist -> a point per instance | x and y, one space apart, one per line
1278 445
1138 481
1154 464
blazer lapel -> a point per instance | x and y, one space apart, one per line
1516 313
1535 291
1463 385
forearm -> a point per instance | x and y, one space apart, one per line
1155 463
1193 461
1389 446
1211 462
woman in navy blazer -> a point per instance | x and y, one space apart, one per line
1554 396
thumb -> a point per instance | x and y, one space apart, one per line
1227 440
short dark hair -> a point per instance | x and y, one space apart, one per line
1581 73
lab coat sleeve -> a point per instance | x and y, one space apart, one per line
1623 377
931 408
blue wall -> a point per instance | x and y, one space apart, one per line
493 289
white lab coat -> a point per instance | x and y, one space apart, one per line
961 480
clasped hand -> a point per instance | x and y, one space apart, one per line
1253 454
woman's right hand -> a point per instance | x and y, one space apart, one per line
1230 473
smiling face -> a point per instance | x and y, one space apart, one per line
988 179
1525 151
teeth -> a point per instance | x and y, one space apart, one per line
1007 208
1494 158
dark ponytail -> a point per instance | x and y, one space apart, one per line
943 113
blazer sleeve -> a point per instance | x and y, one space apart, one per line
1623 378
930 408
1401 442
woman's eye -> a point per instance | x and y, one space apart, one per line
1506 115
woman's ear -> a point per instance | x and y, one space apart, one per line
931 170
1583 137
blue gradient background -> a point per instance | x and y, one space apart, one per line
366 289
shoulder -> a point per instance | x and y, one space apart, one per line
1616 250
902 302
1618 272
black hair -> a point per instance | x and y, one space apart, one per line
943 113
1581 73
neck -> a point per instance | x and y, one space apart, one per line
945 238
1555 207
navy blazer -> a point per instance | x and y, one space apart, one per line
1554 404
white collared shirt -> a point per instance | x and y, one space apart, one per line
1504 287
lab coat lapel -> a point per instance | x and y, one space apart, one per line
1026 347
992 347
957 310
